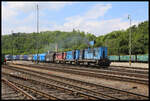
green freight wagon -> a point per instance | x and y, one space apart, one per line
142 58
127 57
113 58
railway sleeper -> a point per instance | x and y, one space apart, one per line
12 98
40 93
18 91
106 76
8 93
71 92
59 88
89 95
12 95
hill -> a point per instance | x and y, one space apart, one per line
116 41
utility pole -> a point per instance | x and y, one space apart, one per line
12 47
129 17
56 47
37 32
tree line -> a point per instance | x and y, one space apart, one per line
116 41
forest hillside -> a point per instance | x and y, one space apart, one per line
116 41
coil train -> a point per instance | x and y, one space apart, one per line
90 56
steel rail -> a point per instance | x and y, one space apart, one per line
97 66
128 69
96 71
86 83
98 75
48 96
18 89
74 92
124 67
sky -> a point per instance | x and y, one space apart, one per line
98 18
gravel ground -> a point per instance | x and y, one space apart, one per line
141 65
132 87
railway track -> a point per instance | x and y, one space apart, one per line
136 78
136 69
131 73
98 90
10 92
124 70
128 69
60 93
79 91
115 68
33 93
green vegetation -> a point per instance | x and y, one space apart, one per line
116 41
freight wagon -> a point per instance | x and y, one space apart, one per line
41 57
50 58
70 57
126 58
17 57
34 57
8 57
30 57
25 57
142 58
60 57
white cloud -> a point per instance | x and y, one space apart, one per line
12 10
97 11
30 6
88 21
97 27
7 12
53 6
